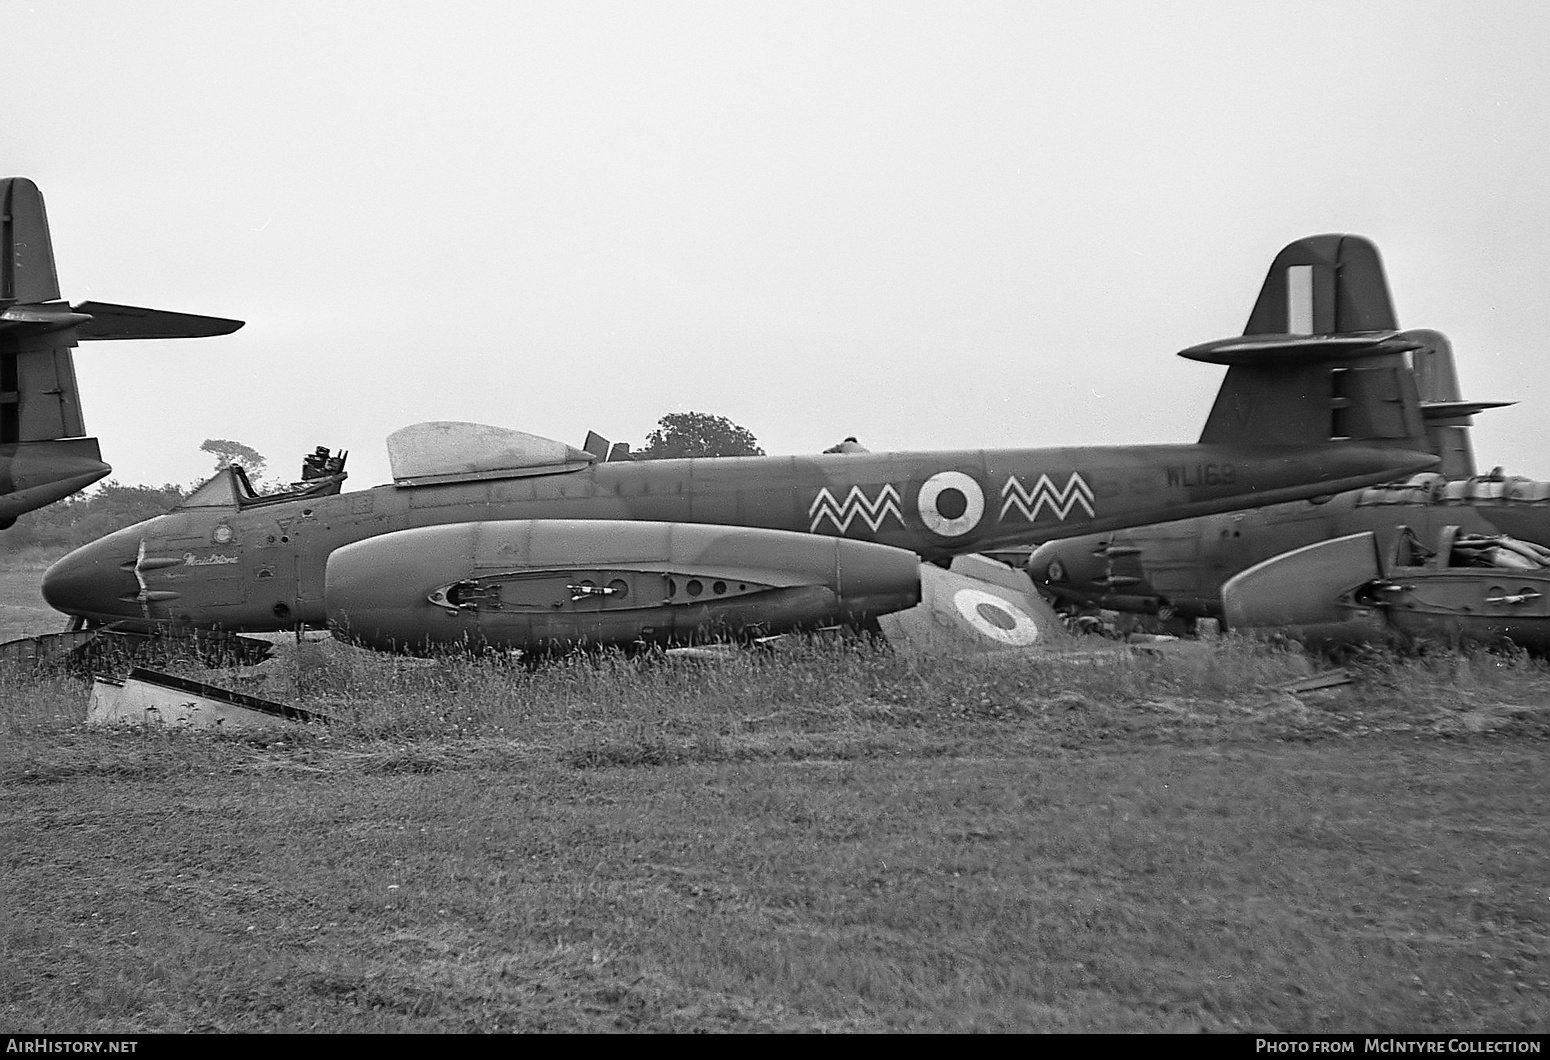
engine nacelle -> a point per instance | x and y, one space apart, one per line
555 584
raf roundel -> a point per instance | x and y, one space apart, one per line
996 617
950 503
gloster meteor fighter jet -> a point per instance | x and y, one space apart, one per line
44 455
489 537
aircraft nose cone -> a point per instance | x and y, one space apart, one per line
97 580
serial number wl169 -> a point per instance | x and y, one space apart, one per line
1188 475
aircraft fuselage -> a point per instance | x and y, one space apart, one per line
261 566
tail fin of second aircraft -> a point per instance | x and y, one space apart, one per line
37 375
1447 415
39 404
38 398
26 254
1321 358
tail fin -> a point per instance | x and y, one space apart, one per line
37 375
39 403
1321 359
1447 415
26 253
1324 285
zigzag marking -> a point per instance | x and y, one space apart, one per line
856 505
1061 502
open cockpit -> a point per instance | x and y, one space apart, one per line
322 475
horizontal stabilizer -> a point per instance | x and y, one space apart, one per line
110 321
1436 411
1301 349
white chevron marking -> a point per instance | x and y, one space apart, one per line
1060 502
857 505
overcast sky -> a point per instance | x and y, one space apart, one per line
930 225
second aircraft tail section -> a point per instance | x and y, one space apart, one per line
1447 415
39 401
39 331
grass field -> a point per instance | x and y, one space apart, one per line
831 839
23 612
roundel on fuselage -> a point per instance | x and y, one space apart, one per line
950 503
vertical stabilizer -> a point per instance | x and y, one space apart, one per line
1324 285
1436 378
26 253
1321 359
1448 416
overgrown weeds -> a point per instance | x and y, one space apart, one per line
835 837
654 709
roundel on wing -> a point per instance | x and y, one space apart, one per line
996 617
950 503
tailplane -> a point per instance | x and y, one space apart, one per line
1321 359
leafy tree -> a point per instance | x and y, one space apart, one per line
85 517
228 452
681 434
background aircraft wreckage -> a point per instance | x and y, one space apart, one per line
491 537
1426 556
44 455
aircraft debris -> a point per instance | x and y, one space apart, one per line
1317 683
148 697
1461 589
92 650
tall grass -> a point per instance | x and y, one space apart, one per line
835 837
816 697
